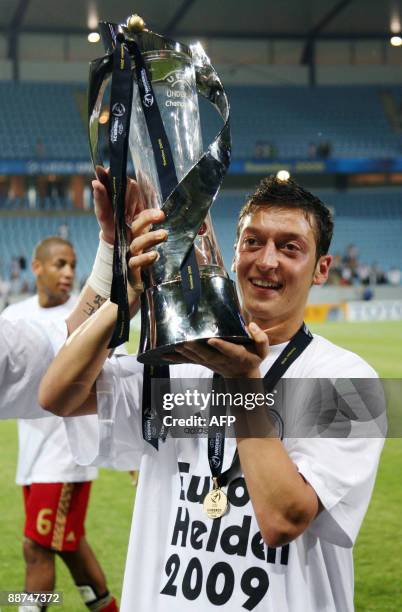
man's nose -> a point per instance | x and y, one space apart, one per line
68 271
268 257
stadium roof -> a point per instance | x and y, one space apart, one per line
340 19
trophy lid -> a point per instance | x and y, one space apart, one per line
134 30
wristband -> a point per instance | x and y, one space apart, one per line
100 279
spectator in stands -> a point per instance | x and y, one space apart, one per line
64 231
265 150
364 273
40 149
351 257
4 288
347 276
368 294
18 284
312 150
15 268
378 275
324 150
394 276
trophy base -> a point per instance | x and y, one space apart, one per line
168 324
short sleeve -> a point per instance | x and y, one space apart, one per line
113 437
27 348
342 473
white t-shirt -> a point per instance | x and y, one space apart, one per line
178 559
27 349
43 451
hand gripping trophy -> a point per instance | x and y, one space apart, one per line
153 84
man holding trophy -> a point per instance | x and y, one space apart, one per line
260 521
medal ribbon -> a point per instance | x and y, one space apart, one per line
216 442
153 428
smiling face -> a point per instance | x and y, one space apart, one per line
54 272
276 264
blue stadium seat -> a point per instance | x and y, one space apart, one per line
350 117
371 219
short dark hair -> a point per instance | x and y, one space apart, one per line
41 250
273 192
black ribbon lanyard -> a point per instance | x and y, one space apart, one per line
216 442
153 428
216 445
120 112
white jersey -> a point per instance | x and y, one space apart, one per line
44 454
178 559
27 349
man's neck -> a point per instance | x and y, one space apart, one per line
47 301
279 332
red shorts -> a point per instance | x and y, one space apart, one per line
55 513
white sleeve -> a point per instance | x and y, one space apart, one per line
113 437
342 473
340 458
27 348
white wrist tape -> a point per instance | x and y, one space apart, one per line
100 279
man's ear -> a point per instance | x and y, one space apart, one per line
322 269
36 267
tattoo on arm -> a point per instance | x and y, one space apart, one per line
93 305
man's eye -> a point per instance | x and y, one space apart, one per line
290 246
250 242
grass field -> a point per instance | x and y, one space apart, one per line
379 343
378 559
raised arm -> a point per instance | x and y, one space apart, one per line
97 288
67 389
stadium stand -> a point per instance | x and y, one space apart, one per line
351 118
48 121
41 120
52 203
373 218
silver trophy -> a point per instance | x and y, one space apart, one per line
188 295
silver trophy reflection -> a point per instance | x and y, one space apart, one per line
188 294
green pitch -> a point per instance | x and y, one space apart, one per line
379 343
378 560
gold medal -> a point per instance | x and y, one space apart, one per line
215 502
